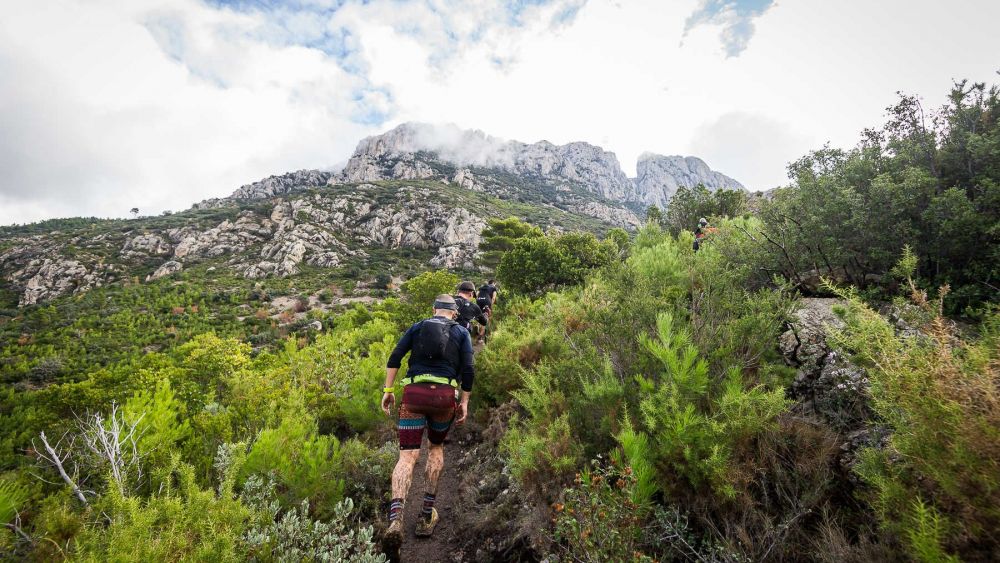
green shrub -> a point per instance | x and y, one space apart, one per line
296 536
420 292
181 523
598 520
160 425
935 485
305 464
541 449
696 423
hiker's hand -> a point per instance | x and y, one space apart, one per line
388 400
461 411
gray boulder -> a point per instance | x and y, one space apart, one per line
167 268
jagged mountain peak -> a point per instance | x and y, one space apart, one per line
475 160
659 177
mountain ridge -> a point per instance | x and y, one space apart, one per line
425 188
424 151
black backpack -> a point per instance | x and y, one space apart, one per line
465 313
432 340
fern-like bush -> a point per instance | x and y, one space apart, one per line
695 421
936 486
305 464
181 523
541 447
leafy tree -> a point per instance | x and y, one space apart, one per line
533 264
927 179
690 204
654 215
419 292
537 264
500 235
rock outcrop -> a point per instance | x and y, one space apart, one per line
167 268
47 278
280 185
144 245
659 177
418 150
421 151
827 384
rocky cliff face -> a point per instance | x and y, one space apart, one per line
416 150
283 184
413 151
659 177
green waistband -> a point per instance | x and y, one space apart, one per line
427 378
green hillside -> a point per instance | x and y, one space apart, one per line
819 381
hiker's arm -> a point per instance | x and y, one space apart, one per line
467 369
463 408
402 347
481 319
466 375
392 368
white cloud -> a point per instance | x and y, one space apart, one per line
111 104
744 141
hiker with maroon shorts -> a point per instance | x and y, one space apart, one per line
441 361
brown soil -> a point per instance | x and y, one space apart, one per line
444 545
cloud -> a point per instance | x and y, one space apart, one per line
735 17
110 104
738 143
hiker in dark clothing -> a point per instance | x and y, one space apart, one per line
486 298
468 309
441 361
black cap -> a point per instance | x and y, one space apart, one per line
466 286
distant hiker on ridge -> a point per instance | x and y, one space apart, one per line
703 230
441 360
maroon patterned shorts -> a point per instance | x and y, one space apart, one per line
425 405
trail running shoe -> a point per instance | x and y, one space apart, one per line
425 526
393 539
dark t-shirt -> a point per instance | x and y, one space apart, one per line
457 363
469 311
487 290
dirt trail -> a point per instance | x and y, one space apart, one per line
442 546
445 544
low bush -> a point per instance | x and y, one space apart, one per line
935 486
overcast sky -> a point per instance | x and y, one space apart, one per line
107 105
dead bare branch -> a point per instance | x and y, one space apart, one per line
57 461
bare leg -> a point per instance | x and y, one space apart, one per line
402 475
435 463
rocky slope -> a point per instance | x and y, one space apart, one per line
575 175
415 150
329 227
420 187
